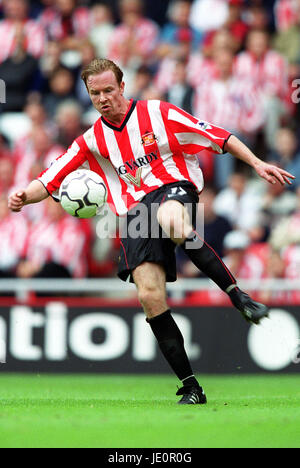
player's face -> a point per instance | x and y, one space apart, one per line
106 94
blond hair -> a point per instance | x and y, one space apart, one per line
99 65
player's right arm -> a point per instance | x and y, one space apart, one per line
34 193
49 181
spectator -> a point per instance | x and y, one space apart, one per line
16 18
68 120
287 40
232 103
277 267
36 153
87 54
219 40
276 204
242 263
180 94
102 29
228 100
56 247
215 227
61 88
257 17
38 118
285 14
152 93
35 110
18 72
51 60
207 163
287 230
7 175
135 39
201 66
285 240
66 23
240 202
165 76
269 72
4 147
208 15
142 81
106 243
287 153
291 258
13 235
234 24
179 25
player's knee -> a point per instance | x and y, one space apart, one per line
169 214
174 220
148 296
152 300
168 211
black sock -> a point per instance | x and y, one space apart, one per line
208 261
171 344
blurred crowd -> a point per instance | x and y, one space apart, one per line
235 63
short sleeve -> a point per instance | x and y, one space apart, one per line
68 162
192 134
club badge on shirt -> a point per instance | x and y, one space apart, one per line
148 139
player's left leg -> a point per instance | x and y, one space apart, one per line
150 280
174 219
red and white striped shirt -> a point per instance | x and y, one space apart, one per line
58 29
13 234
233 104
156 144
291 257
285 14
145 36
198 70
270 75
251 267
26 157
62 242
35 39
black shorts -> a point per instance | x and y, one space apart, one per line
142 239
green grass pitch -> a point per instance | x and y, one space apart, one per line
141 412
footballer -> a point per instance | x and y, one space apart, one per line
146 152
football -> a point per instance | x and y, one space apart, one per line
82 193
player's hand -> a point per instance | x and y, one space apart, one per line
272 174
17 201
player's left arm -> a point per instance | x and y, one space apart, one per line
267 171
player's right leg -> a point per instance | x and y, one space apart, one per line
150 280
